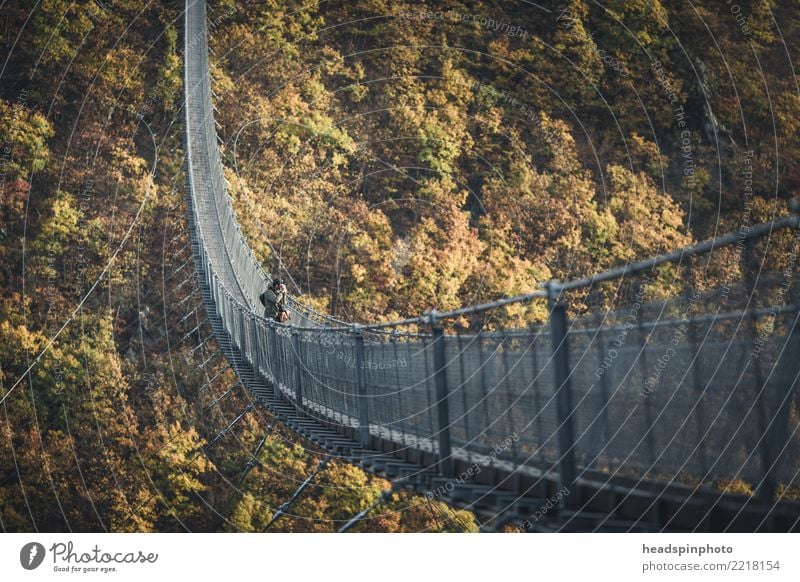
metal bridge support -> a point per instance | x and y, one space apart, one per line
275 362
255 341
442 408
561 375
244 347
298 394
770 430
783 391
361 381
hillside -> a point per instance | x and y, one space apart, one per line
394 157
385 158
105 432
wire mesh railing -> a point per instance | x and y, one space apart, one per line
697 388
226 262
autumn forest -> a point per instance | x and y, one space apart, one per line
385 158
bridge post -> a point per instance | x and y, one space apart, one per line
644 341
274 363
252 326
776 433
564 410
442 407
361 382
298 395
244 346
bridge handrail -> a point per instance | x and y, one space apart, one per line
554 286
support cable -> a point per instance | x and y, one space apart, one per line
286 506
253 461
385 495
228 428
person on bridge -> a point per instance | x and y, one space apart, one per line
274 301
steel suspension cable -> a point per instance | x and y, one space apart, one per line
385 495
284 507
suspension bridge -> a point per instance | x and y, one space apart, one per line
636 418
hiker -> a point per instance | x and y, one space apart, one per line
274 301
